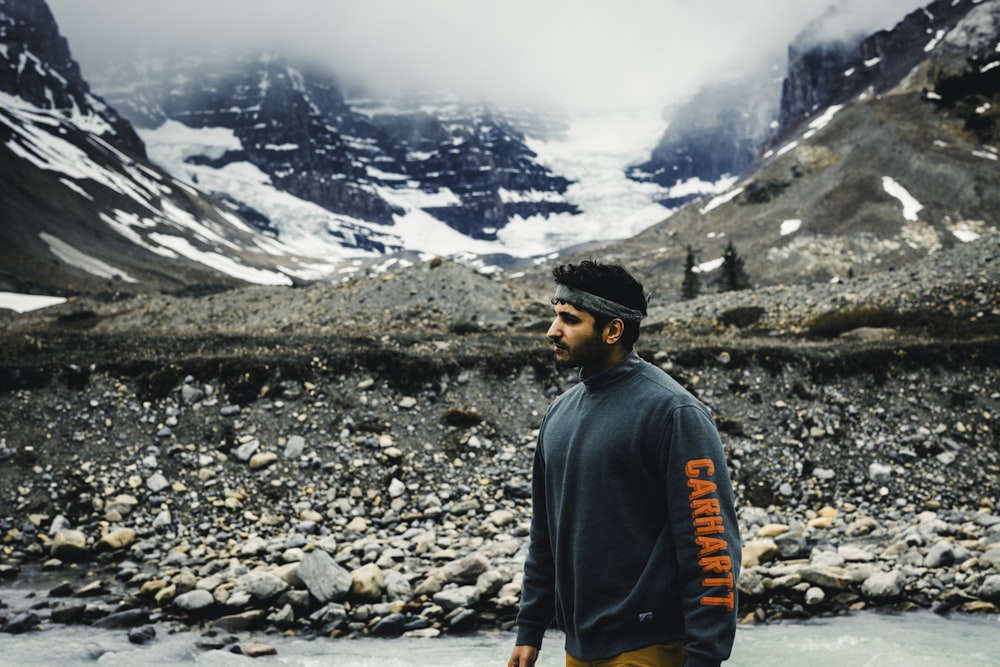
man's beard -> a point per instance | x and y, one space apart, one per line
585 353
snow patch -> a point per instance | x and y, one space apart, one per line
81 260
221 263
910 205
718 201
821 121
931 45
965 235
790 227
22 303
710 265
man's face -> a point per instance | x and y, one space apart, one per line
575 341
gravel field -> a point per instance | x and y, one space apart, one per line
355 458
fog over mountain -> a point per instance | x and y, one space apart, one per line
289 123
589 55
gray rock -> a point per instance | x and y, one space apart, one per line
465 570
245 451
70 545
191 395
367 582
163 519
324 577
990 588
392 625
142 635
879 473
397 586
329 617
814 596
129 618
23 622
884 585
262 585
827 576
294 448
456 598
157 482
793 543
194 601
490 582
246 621
942 554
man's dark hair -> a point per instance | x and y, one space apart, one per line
609 281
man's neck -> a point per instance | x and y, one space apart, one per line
614 356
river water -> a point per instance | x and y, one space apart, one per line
863 640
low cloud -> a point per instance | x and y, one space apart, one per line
584 54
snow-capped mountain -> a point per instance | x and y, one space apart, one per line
376 167
262 170
81 208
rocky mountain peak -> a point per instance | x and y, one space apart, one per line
468 164
36 66
827 66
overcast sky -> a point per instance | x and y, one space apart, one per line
584 54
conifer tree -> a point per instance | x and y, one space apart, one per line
733 276
691 287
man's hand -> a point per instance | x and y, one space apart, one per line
523 656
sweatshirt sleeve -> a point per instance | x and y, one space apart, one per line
537 608
704 525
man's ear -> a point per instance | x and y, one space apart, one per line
613 331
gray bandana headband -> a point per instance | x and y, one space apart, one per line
595 304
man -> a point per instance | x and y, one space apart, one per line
634 547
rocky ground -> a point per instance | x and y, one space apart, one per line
355 458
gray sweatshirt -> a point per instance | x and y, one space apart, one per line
634 537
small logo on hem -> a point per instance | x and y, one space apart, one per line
646 617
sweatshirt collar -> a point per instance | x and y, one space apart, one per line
611 375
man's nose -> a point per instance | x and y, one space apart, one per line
554 331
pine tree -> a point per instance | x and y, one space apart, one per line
733 276
691 287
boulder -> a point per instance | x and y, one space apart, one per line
69 545
367 583
324 577
884 585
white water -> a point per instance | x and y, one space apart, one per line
863 640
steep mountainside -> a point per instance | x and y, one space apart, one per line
715 134
728 125
36 66
822 73
81 209
872 183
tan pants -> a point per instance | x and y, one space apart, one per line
657 655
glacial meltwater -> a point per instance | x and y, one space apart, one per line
863 639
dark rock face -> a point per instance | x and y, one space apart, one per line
716 133
822 73
966 71
36 65
725 127
294 124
